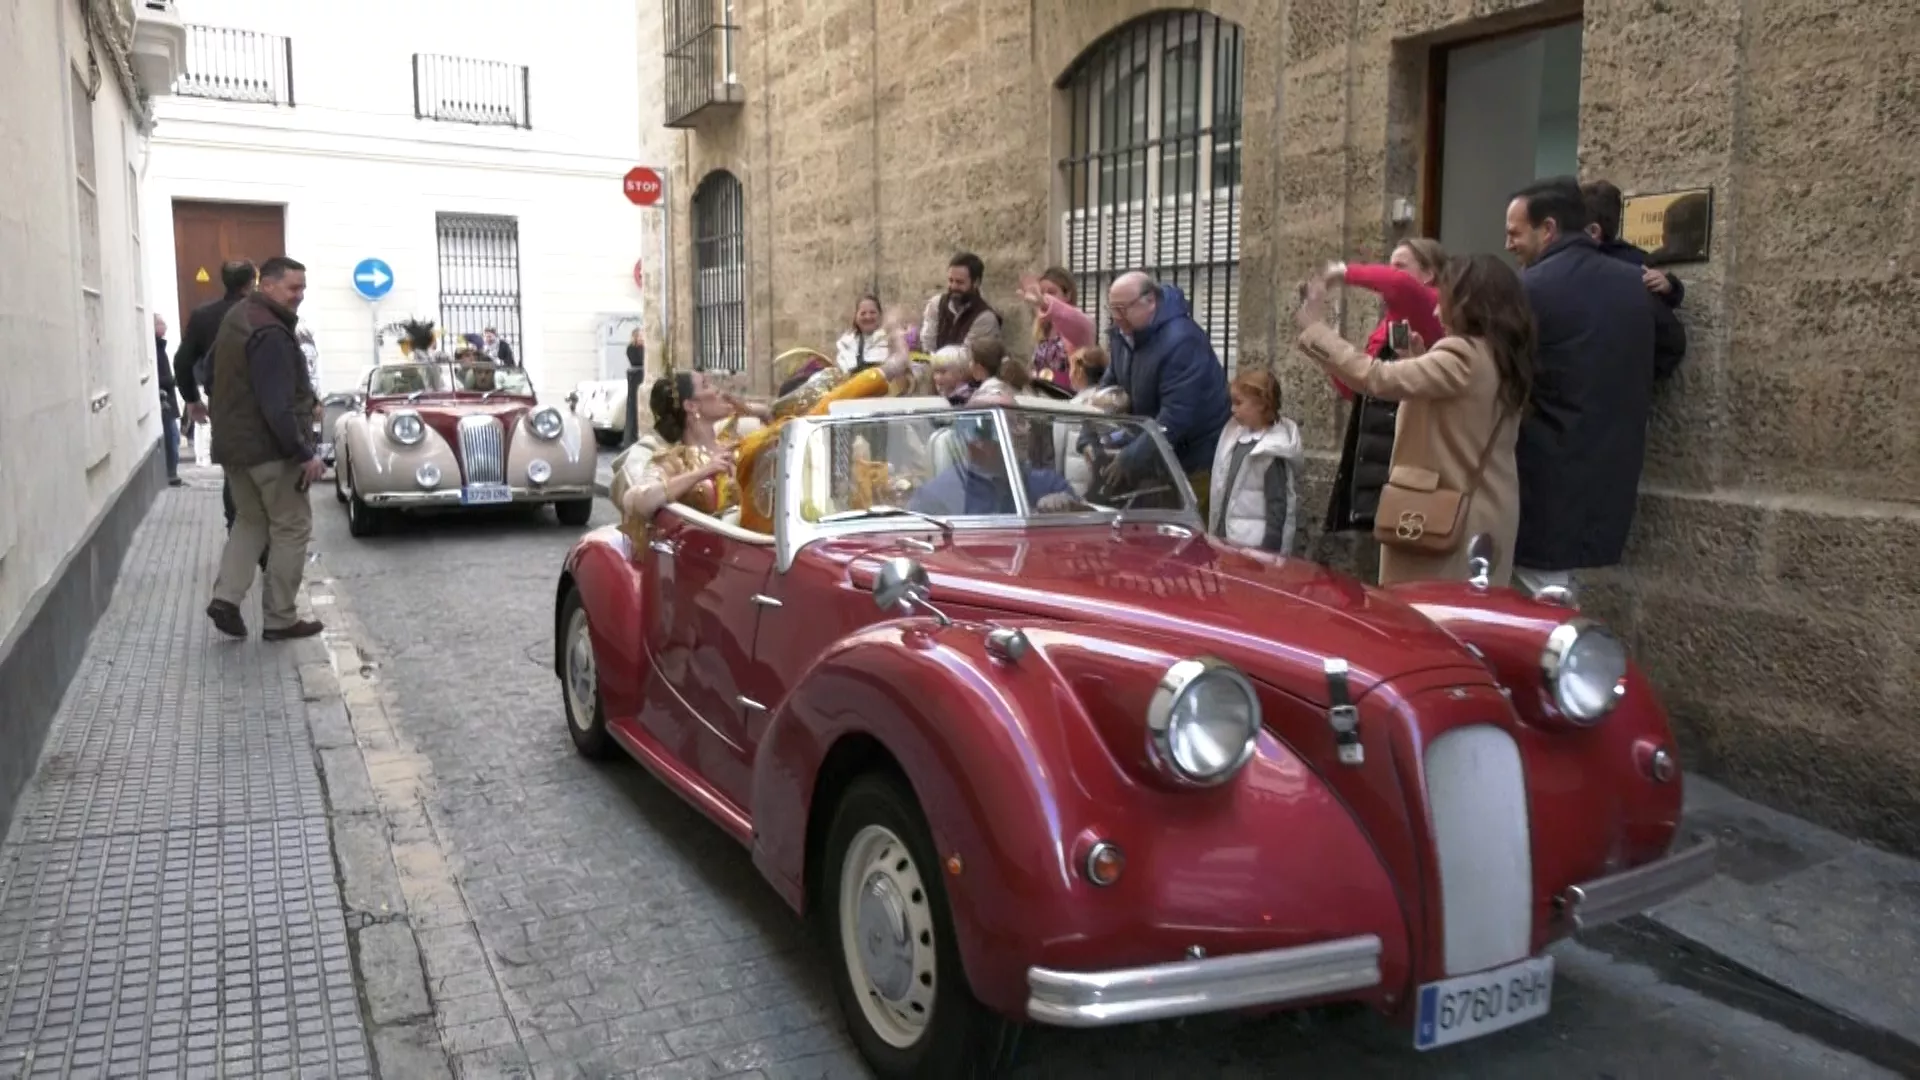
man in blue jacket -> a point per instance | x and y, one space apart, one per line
1584 439
1165 363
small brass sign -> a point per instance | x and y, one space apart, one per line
1671 226
202 277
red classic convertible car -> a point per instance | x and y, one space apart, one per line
1037 752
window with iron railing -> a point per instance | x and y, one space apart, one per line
1152 168
462 90
719 274
224 64
700 59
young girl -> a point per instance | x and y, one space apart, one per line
1254 492
952 367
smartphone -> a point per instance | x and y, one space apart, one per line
1400 337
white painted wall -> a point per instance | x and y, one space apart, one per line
75 417
361 177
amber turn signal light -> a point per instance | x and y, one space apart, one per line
1104 863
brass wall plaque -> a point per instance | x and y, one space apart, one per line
1670 226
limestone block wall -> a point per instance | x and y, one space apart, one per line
1773 580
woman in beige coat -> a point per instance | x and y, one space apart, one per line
1468 391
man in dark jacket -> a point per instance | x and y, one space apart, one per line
1165 363
1583 442
192 361
169 405
1605 205
263 405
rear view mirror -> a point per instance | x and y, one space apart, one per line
901 585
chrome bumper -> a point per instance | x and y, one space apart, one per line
1214 984
418 500
1608 899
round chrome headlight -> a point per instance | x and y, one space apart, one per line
546 423
1204 721
406 428
1585 665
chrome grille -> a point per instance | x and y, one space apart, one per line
483 451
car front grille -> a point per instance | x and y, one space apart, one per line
483 451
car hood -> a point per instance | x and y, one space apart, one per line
444 416
1276 618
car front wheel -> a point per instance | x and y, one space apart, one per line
580 678
362 520
575 512
896 964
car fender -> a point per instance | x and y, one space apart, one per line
380 465
600 565
570 454
1017 783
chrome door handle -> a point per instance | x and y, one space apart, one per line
750 704
664 547
766 601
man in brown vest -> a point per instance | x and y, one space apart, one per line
262 407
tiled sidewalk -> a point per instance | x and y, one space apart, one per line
168 899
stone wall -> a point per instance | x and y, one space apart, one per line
1773 582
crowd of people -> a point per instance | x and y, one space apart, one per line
1485 401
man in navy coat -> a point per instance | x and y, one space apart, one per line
1165 363
1584 440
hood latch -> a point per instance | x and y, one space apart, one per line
1342 714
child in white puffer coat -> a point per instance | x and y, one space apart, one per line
1254 490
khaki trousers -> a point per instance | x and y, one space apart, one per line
271 514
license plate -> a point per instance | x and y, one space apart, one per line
485 494
1469 1006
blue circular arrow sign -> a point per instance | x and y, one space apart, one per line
372 278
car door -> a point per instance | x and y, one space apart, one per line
706 623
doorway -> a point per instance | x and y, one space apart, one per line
207 234
1502 112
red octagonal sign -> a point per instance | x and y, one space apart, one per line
642 186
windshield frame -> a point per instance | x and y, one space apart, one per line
793 533
448 376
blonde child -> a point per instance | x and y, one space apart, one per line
1254 492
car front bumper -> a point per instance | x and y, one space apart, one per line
450 497
1616 896
1211 984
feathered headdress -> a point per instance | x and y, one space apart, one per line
418 334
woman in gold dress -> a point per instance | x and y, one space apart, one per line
690 463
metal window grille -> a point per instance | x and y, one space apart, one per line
237 65
467 91
719 275
480 279
1152 168
700 58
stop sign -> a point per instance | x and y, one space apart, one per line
642 186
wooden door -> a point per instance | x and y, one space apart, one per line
207 234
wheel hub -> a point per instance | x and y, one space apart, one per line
886 948
580 673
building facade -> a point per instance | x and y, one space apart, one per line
80 420
474 148
1773 581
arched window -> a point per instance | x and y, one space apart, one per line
1152 165
719 275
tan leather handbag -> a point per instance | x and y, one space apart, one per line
1418 513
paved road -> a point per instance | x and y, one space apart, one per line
627 936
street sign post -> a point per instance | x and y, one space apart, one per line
647 187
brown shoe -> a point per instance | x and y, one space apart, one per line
226 619
302 629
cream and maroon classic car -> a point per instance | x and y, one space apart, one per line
443 435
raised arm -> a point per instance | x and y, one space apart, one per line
1074 326
1397 287
1441 372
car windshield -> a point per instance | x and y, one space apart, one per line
480 378
407 379
956 465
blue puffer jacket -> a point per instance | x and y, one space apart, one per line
1172 374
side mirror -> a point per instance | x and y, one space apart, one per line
902 585
1480 554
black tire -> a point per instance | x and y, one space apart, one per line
575 512
362 520
591 737
960 1039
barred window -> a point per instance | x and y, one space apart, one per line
479 278
719 275
1152 169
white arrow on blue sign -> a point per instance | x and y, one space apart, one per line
372 278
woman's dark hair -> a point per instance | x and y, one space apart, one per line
1481 297
669 400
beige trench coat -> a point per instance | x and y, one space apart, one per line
1460 394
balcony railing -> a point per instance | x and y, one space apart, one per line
467 91
237 65
702 70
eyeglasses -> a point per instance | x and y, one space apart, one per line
1121 308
